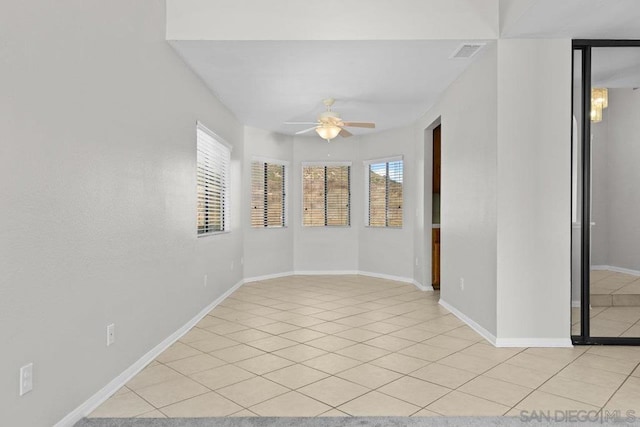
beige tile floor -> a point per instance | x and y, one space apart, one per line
354 345
615 305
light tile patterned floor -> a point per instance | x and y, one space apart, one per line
615 305
355 345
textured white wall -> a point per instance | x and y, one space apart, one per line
267 250
388 250
534 191
325 248
468 114
332 20
97 172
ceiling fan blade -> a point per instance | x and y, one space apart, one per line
345 133
360 125
301 123
306 130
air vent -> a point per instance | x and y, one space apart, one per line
466 50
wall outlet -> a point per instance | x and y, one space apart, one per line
111 334
232 264
26 379
205 280
462 283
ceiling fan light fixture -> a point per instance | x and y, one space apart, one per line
328 131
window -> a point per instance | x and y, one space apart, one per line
268 194
326 194
213 161
384 192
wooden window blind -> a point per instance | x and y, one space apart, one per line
213 170
384 183
326 195
268 194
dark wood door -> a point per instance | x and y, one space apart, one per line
437 150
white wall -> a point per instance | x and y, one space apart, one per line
332 20
331 249
267 250
325 248
534 198
616 200
97 172
388 250
468 114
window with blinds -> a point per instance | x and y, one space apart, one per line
213 163
384 179
268 194
326 194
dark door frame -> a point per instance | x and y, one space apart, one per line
585 337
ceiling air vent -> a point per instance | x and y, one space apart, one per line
466 50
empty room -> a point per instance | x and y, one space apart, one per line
355 212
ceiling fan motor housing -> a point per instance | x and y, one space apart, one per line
329 117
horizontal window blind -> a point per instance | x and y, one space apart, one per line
326 195
213 163
385 194
268 196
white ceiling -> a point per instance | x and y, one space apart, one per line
616 67
266 83
392 83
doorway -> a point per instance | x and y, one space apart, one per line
605 192
435 214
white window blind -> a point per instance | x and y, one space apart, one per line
213 163
326 195
384 183
268 194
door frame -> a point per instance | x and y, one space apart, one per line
585 46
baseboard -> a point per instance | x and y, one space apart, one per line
534 342
364 273
268 276
616 269
114 385
471 323
397 279
324 272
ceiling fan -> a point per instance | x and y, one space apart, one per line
330 125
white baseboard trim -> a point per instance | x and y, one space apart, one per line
534 342
397 279
324 272
114 385
364 273
268 276
616 269
471 323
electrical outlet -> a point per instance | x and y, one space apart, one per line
26 379
232 265
205 280
462 283
111 334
